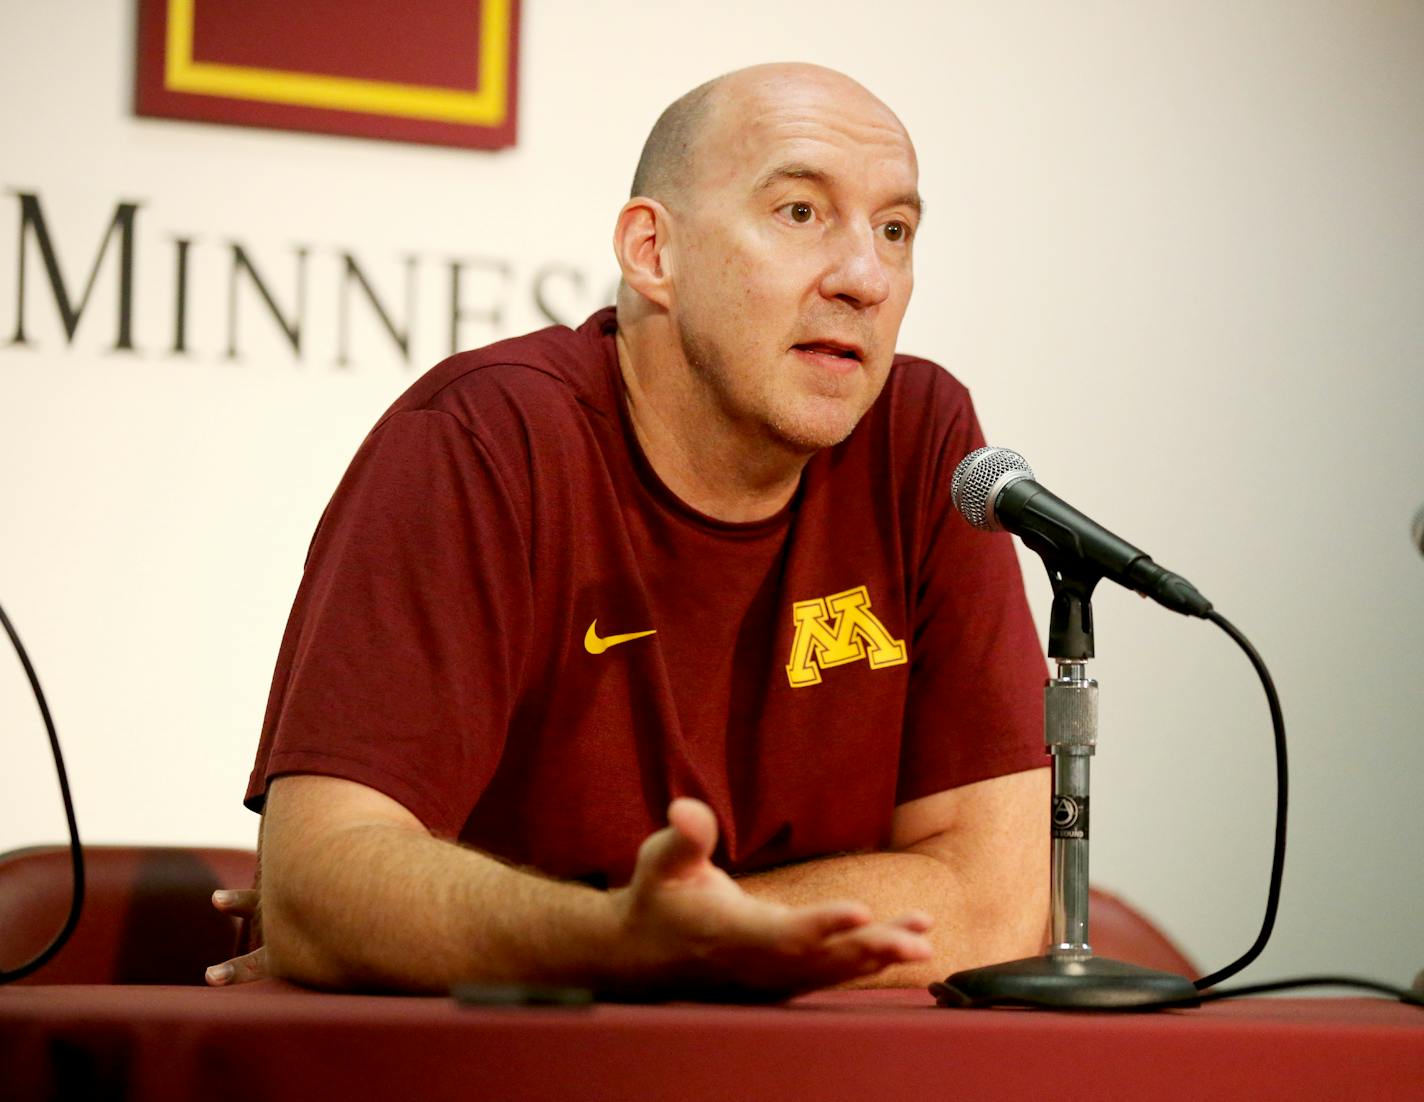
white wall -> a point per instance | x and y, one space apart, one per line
1177 251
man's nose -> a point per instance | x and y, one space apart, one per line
856 273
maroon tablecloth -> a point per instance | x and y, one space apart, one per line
269 1042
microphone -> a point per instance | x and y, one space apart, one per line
994 489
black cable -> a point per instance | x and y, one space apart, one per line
76 852
1408 997
1278 857
1400 993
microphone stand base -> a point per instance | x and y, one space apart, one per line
1062 983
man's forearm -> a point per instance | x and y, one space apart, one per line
385 907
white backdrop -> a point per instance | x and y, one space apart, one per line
1176 250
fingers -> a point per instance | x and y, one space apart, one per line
877 944
919 922
818 946
886 942
825 943
860 947
901 939
821 920
862 952
696 823
684 846
243 969
237 902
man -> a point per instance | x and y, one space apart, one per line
694 560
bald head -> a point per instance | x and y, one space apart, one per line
680 139
664 167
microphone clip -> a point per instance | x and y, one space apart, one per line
1070 621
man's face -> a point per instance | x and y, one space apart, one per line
793 269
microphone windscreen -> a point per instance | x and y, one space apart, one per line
975 479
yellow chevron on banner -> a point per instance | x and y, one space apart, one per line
486 106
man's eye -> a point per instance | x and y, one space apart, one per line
897 231
800 212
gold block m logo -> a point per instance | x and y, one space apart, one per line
834 630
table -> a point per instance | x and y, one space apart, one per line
272 1042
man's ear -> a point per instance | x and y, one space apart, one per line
642 243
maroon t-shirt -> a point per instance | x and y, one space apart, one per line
803 674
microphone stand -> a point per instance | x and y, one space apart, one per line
1068 976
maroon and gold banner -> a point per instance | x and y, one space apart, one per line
440 71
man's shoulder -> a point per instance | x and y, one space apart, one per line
922 418
548 375
914 376
920 394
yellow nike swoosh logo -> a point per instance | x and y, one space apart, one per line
596 645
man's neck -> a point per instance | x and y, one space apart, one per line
714 466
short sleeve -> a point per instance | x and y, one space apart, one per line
975 706
400 663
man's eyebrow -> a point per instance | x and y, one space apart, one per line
797 171
912 200
792 171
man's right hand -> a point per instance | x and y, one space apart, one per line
692 930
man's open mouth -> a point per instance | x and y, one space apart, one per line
830 348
